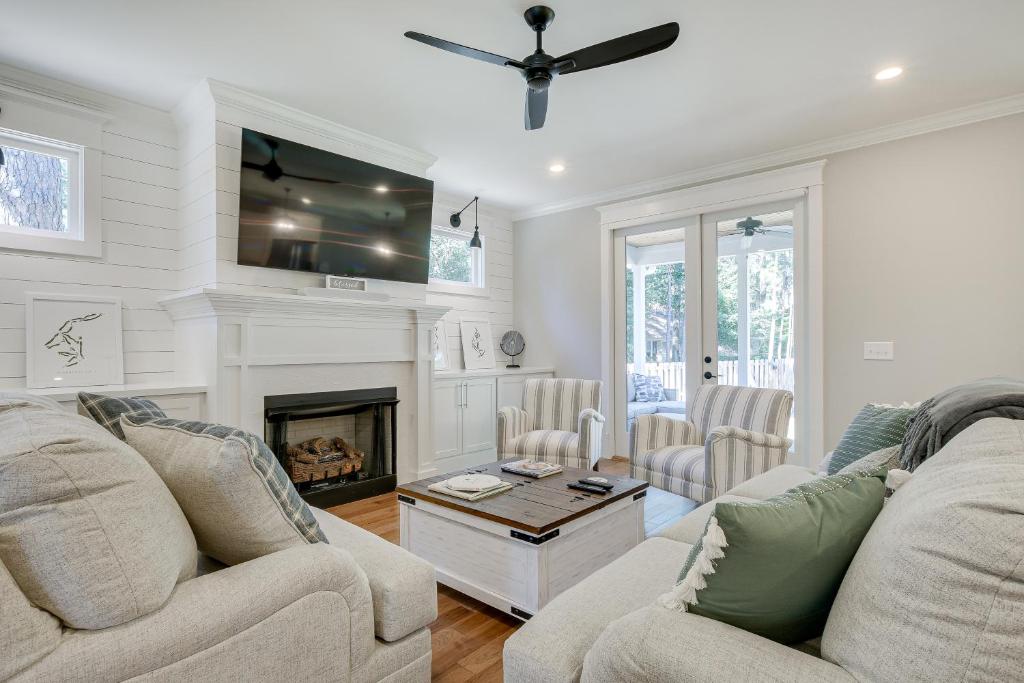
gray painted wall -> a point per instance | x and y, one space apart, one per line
924 246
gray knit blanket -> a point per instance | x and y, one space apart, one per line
948 413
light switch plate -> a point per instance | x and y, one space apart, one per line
879 351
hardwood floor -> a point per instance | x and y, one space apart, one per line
468 636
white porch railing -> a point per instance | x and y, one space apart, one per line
768 374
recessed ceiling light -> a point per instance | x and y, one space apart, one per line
307 200
887 74
556 168
381 188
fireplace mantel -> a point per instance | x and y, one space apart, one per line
244 346
219 302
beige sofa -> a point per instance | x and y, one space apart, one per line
356 609
935 592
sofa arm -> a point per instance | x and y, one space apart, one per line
733 455
659 430
658 645
312 601
589 426
512 422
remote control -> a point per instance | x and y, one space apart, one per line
598 481
587 487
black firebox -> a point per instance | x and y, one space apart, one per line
337 446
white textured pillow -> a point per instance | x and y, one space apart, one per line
234 492
87 529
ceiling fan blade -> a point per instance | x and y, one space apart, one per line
536 108
471 52
621 49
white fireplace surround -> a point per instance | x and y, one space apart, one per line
243 347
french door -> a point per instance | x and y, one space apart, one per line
705 300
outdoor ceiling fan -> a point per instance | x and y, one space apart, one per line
539 68
750 226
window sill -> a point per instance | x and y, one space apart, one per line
460 290
66 246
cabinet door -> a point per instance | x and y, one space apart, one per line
479 418
447 413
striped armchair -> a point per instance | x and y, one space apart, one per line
560 422
732 434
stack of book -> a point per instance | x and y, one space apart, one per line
443 487
532 468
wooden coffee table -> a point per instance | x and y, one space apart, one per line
517 550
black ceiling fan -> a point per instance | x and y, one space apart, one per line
539 68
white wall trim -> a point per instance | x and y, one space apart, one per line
752 189
974 113
803 184
390 153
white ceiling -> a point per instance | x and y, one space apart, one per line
746 77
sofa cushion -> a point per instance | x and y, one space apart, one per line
935 592
638 408
691 527
876 426
403 586
232 488
106 411
879 462
27 633
773 567
672 407
551 646
773 482
87 529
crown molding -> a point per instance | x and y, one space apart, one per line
974 113
38 90
390 153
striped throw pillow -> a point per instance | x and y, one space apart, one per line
875 427
107 410
234 492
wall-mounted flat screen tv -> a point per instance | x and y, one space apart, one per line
305 209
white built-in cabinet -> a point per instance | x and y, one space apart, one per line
465 407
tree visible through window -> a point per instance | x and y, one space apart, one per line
34 190
451 259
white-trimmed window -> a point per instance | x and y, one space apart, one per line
41 196
454 265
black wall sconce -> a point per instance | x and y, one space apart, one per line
456 221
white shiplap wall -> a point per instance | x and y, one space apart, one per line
496 231
168 225
139 223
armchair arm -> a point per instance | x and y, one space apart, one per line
589 426
659 430
236 623
733 455
658 645
512 422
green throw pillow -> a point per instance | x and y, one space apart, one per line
773 567
875 427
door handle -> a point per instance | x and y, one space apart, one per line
708 375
